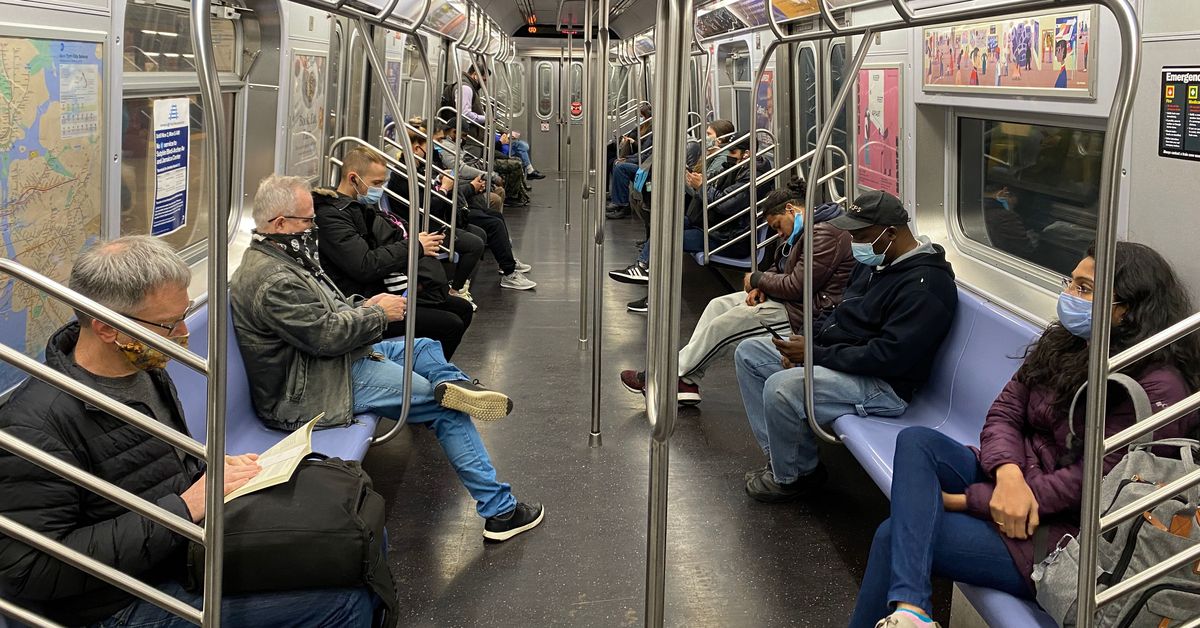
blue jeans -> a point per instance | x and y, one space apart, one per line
774 400
922 539
379 388
622 176
324 608
520 150
693 242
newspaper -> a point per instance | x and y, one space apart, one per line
279 462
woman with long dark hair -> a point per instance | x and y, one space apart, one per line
970 514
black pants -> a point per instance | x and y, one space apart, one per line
468 245
498 241
445 322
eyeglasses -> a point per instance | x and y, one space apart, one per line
1069 285
308 219
173 328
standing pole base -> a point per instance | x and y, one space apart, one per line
594 440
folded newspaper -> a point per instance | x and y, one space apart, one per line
279 462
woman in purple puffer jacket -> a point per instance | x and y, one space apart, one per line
970 514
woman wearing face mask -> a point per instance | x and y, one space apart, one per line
970 515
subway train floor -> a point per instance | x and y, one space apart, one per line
731 560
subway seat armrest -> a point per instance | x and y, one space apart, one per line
741 263
244 432
975 361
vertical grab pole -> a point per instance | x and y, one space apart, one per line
564 128
414 216
1098 364
674 31
451 61
810 200
430 107
758 77
218 303
585 260
600 115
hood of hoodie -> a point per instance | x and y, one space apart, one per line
826 211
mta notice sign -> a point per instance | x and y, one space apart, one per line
1179 121
172 132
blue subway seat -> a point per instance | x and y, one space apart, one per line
244 432
443 255
983 349
742 263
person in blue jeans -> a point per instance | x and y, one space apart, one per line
311 350
512 147
872 352
625 169
971 514
324 608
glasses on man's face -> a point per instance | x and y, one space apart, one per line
1069 285
173 328
308 220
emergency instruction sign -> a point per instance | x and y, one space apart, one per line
1179 121
172 134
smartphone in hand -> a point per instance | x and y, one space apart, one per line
774 333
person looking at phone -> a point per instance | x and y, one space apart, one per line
870 353
364 250
772 300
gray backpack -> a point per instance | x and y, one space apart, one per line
1137 543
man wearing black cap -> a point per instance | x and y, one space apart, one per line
870 355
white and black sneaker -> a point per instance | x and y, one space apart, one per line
473 399
520 267
520 519
517 281
635 273
642 305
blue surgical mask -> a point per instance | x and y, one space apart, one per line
797 229
865 253
1003 202
372 196
1075 314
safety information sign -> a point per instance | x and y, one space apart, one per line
172 132
1179 122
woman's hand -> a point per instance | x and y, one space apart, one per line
1014 509
430 242
954 502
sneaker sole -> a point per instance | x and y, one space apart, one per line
511 287
632 389
637 310
688 399
627 279
483 406
508 534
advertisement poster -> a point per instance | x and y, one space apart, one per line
879 135
1044 54
1179 121
792 9
764 102
172 132
79 99
306 115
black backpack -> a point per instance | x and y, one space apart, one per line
322 529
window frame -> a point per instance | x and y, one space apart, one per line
1040 276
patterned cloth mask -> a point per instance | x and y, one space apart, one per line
145 358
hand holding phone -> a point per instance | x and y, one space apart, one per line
774 333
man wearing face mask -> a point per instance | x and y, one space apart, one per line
309 350
871 354
142 278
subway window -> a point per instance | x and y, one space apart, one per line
517 72
158 39
1029 190
808 97
545 90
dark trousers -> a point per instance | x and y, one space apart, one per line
468 245
444 322
922 539
498 241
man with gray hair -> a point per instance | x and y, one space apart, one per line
309 350
142 278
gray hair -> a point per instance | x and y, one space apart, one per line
276 196
121 273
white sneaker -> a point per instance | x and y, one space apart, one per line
466 295
517 281
522 267
902 619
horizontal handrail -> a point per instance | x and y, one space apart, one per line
1146 502
83 562
1159 419
26 617
1154 343
101 401
102 313
106 489
1148 575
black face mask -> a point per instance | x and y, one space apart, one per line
731 162
301 247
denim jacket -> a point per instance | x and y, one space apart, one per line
298 339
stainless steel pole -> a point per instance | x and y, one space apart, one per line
218 304
585 260
674 31
564 138
600 122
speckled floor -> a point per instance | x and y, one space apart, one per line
732 561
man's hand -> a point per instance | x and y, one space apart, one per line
238 471
447 183
1014 508
791 349
754 296
392 305
478 184
430 242
694 180
746 283
504 138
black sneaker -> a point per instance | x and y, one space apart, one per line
750 475
520 519
616 212
473 399
764 488
634 273
535 175
641 305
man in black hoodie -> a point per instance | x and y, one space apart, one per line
871 353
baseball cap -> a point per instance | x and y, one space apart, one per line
872 208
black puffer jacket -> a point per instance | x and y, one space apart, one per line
98 443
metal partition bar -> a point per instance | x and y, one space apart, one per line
1148 425
414 250
674 22
26 617
431 101
489 149
1155 342
599 113
1142 504
564 127
218 322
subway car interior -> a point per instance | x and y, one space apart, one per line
931 263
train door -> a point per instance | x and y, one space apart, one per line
834 74
555 89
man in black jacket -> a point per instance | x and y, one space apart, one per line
144 279
871 354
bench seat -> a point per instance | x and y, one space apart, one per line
981 352
742 263
244 432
